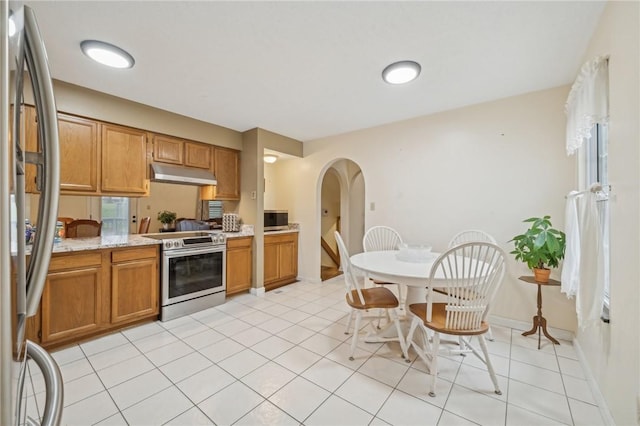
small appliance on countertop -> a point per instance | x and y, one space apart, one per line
230 222
276 220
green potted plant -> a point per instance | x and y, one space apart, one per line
540 247
166 218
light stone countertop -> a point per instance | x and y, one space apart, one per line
97 243
115 241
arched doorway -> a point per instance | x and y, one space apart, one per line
342 210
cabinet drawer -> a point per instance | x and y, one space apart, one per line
133 254
74 260
281 238
233 243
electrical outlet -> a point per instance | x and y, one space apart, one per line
372 206
254 195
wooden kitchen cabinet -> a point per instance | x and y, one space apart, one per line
79 152
167 149
226 168
280 259
239 262
134 284
197 155
94 292
73 299
124 160
95 158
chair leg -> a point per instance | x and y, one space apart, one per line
492 373
346 331
433 370
403 344
490 335
402 295
356 332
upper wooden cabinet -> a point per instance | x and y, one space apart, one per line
95 157
79 153
124 160
167 149
197 155
226 168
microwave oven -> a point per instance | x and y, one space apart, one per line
275 220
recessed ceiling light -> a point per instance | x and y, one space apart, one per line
401 72
270 158
107 54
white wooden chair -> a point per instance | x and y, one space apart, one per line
362 299
471 235
472 274
380 238
468 236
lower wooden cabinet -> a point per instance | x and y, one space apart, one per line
73 297
280 259
134 284
239 265
93 292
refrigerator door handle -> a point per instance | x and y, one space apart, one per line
52 411
36 58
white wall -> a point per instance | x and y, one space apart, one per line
487 166
612 350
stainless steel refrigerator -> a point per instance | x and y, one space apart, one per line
23 268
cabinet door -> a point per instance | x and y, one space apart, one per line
124 160
288 260
71 303
167 149
134 290
197 155
226 168
239 264
79 154
29 130
271 273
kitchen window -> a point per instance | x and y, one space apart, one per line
115 215
596 170
215 209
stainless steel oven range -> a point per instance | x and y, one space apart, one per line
193 274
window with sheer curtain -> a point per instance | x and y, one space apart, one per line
586 268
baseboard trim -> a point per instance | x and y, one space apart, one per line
566 335
595 390
257 291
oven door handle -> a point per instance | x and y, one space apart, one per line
192 251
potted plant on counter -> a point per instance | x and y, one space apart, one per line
166 218
541 247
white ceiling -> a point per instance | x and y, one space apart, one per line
312 69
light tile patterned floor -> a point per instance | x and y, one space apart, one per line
282 359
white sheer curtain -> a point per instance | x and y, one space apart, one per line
588 102
583 272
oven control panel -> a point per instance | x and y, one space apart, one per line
200 241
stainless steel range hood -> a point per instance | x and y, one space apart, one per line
182 175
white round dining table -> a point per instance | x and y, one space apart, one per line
386 266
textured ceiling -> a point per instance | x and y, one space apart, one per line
312 69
